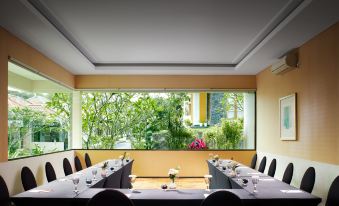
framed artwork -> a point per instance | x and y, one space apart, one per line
288 117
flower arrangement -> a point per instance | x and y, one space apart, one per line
103 171
123 156
198 144
216 157
105 165
234 165
172 173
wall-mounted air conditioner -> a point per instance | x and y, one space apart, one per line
287 62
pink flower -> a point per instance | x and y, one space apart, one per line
198 144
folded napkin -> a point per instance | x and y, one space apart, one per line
206 195
267 180
38 191
291 191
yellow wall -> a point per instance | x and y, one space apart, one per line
157 163
203 107
165 82
316 83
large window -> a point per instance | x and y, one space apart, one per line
38 114
168 120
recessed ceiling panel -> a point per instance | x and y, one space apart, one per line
162 31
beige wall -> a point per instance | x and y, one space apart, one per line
10 46
165 82
157 163
11 170
316 83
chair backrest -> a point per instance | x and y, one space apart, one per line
27 179
67 167
271 169
50 173
262 165
222 198
127 170
307 182
88 160
254 161
288 174
108 197
4 194
333 197
77 164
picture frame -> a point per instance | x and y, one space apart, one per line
288 117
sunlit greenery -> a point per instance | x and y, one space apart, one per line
27 126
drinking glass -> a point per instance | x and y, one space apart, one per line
94 173
207 181
255 181
88 181
238 171
76 180
132 180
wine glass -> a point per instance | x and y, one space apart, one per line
207 181
88 181
132 180
238 171
94 173
76 180
255 181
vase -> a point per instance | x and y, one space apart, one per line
103 173
172 185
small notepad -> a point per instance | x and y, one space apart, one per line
267 180
291 191
38 191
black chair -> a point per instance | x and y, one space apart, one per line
110 197
88 160
288 174
307 182
27 179
50 173
222 198
77 164
333 197
127 170
271 169
4 194
67 167
254 161
262 165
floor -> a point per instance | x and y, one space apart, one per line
182 183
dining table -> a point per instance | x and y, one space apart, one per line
270 191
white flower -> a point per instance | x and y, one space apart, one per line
173 171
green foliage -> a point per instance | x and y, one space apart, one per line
26 125
137 117
188 122
37 150
227 136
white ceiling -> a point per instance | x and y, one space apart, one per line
166 36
